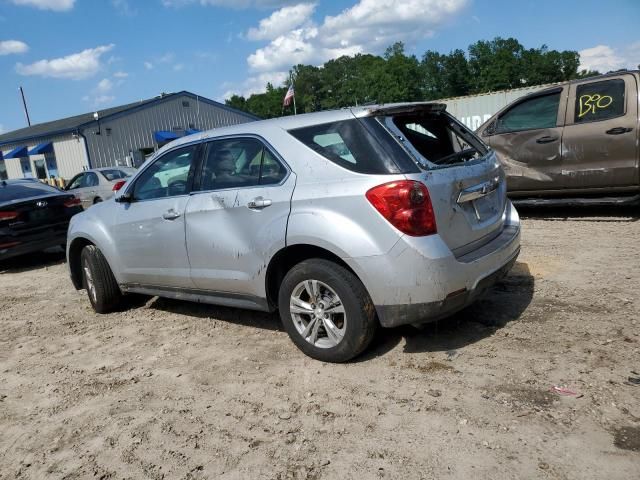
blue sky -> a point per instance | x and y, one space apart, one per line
76 56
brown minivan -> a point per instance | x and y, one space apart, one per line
576 140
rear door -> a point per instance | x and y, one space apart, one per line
527 138
600 137
238 218
149 230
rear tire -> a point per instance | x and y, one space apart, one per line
97 200
333 317
98 280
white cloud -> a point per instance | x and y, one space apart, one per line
2 130
105 85
8 47
230 3
601 58
604 58
56 5
167 58
120 74
102 93
368 26
282 21
100 100
76 66
124 8
256 84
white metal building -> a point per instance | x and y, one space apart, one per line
122 135
474 110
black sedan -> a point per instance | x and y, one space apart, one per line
33 216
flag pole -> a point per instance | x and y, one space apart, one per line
294 96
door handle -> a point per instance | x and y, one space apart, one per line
259 203
546 139
170 215
618 131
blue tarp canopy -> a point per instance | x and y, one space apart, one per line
164 136
46 147
191 131
17 152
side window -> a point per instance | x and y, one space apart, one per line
272 171
232 163
76 182
599 101
359 145
91 180
537 112
166 177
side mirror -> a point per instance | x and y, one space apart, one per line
124 198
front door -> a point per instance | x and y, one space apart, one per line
600 149
238 218
527 139
149 230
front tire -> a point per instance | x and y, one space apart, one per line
326 311
98 280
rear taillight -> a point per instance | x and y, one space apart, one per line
72 202
8 215
406 205
118 185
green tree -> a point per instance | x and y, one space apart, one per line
496 65
395 76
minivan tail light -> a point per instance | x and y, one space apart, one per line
72 202
8 215
118 185
406 204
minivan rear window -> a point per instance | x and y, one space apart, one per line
359 145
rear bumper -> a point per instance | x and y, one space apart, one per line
420 279
35 245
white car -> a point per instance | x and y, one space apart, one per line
96 185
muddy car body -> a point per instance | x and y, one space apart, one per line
574 140
342 220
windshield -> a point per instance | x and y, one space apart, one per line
115 174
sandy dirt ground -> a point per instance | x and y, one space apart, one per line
167 389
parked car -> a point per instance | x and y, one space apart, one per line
343 220
33 216
576 140
96 185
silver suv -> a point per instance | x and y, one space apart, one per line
342 220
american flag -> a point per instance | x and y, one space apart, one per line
289 96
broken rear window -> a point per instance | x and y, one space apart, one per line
437 138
